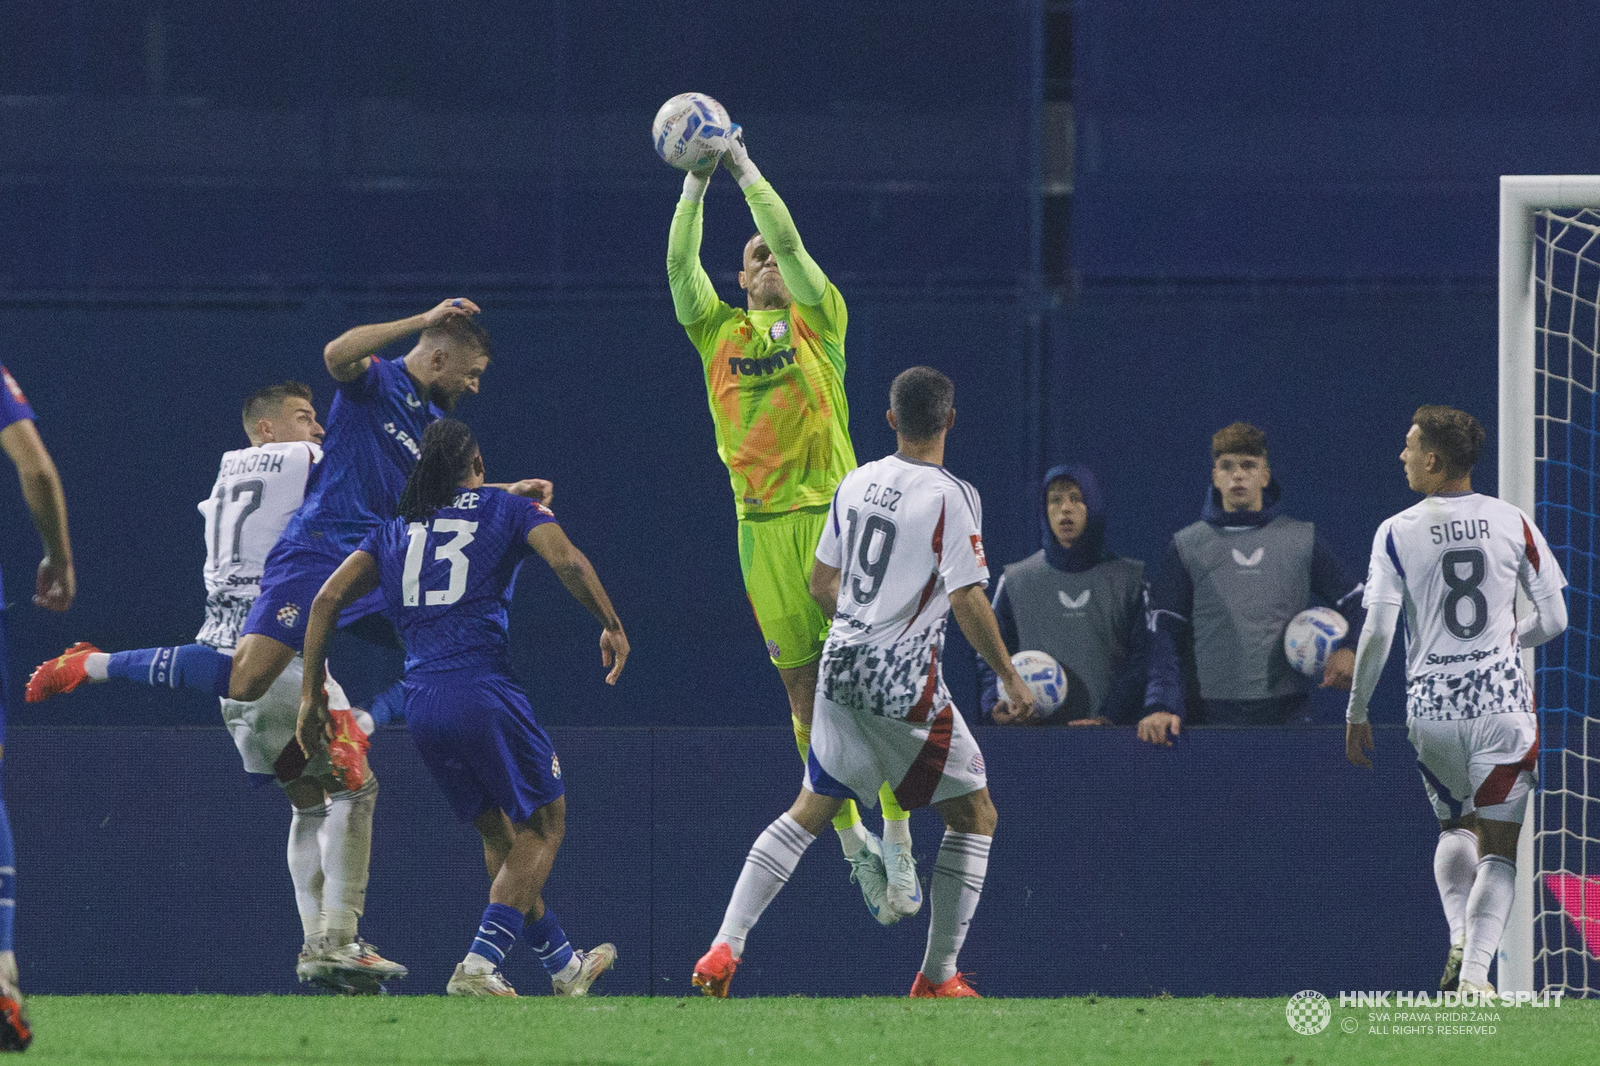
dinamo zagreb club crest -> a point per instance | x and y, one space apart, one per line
288 615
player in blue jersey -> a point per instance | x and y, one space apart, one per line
374 425
444 570
56 585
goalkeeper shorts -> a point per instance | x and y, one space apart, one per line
1484 764
776 554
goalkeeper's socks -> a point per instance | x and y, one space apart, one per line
767 869
549 941
1455 867
1488 907
186 666
497 931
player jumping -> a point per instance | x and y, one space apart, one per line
445 569
774 376
376 419
902 545
55 587
1454 562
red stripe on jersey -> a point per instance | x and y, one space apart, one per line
1497 786
917 787
1530 549
938 537
927 594
919 710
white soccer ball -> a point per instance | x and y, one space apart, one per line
691 131
1311 638
1044 678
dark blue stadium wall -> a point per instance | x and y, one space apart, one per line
1243 862
308 168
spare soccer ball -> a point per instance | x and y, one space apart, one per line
1044 678
1311 638
691 131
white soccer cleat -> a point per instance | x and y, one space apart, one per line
868 871
1452 968
904 891
591 964
1486 993
353 969
492 983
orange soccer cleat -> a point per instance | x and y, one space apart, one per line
347 750
62 674
714 970
955 988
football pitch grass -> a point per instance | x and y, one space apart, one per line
699 1032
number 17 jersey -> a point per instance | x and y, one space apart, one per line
1453 564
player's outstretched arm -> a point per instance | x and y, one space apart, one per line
41 486
356 576
693 295
1377 637
800 272
977 622
577 574
534 488
350 353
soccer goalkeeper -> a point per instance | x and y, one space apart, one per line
775 381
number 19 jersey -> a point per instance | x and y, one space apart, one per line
1453 563
902 534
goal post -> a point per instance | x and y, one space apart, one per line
1549 296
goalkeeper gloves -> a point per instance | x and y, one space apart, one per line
737 160
695 182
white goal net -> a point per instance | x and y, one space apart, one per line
1565 885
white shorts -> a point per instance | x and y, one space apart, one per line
1484 765
928 762
263 728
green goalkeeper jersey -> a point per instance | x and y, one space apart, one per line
774 379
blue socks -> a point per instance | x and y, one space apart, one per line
550 943
188 666
8 880
497 931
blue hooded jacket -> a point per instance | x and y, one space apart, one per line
1124 702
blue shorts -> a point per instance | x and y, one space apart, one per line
476 733
291 579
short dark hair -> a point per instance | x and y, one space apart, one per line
461 331
264 402
921 399
1241 438
1454 436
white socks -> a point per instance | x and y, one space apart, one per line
1455 867
897 832
1488 906
958 875
95 664
305 865
852 839
767 868
346 842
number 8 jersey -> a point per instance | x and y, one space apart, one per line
902 534
1453 563
257 491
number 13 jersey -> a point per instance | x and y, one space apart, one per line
257 491
902 534
1453 563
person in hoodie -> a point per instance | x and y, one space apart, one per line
1227 589
1081 604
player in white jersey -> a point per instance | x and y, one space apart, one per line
1453 564
257 490
903 545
